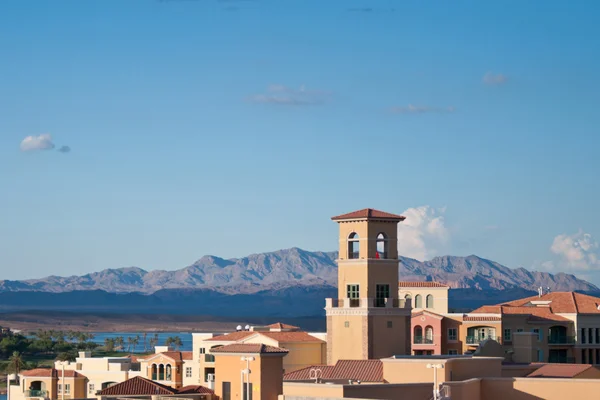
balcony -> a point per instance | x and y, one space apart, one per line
558 340
369 303
475 340
209 358
422 340
36 393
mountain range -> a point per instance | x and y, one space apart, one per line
291 282
297 267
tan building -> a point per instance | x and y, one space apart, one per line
367 320
249 371
145 389
49 383
168 367
429 296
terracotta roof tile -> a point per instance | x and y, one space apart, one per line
137 386
476 318
560 303
361 370
193 389
175 355
369 213
279 325
51 372
421 284
486 310
254 348
187 355
291 337
231 337
559 371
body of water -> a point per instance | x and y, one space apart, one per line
186 339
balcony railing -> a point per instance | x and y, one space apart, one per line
369 302
479 339
561 339
422 340
36 393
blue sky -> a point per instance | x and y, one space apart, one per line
237 127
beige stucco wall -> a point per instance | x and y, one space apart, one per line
347 342
266 376
415 370
440 298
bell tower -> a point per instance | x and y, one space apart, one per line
367 320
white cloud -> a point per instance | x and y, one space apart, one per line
40 142
284 95
412 109
576 252
423 234
494 79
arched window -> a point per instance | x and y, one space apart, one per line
353 246
168 377
429 334
161 372
418 301
408 296
418 334
382 246
429 301
154 371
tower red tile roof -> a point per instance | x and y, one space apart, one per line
369 213
253 348
361 370
421 284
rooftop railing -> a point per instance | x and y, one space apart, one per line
369 303
36 393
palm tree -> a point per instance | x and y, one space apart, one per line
152 342
145 348
129 343
16 362
109 344
135 341
119 343
177 342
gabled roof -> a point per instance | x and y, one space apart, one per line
559 303
291 337
279 325
559 371
361 370
51 373
193 389
402 284
137 386
174 355
231 337
418 314
369 213
253 348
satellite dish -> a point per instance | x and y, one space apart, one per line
247 327
238 328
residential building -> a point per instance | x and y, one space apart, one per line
145 389
430 296
167 367
49 383
367 320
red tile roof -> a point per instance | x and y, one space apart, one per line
476 318
193 389
361 370
560 303
187 355
254 348
231 337
138 386
369 213
279 325
51 372
174 355
559 371
291 337
421 284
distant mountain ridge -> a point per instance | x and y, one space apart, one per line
296 267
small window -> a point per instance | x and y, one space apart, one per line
583 336
91 388
353 291
538 333
347 324
452 334
389 324
418 301
452 352
507 335
429 301
188 372
202 350
353 246
519 330
382 292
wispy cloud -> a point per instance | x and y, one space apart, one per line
284 95
494 79
41 142
413 109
